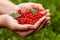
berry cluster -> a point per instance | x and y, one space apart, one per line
29 17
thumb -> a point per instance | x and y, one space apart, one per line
23 27
37 6
39 21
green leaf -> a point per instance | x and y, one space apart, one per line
34 12
15 15
14 38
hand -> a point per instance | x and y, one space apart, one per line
25 30
41 23
29 6
6 7
12 24
45 20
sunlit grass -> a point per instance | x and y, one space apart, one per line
51 32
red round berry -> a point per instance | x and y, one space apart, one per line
28 17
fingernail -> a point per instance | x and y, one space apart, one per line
47 10
45 16
42 12
31 27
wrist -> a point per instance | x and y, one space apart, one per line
2 21
7 7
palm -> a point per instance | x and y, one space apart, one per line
14 25
29 7
11 21
27 32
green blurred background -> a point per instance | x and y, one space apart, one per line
51 32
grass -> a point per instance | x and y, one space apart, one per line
51 32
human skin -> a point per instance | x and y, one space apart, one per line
8 7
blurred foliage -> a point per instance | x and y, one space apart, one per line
51 32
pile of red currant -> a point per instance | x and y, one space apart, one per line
29 17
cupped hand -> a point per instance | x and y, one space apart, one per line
13 24
38 25
23 30
29 6
27 29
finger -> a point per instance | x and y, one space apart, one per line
28 8
48 15
24 9
37 6
45 12
45 21
48 22
48 18
24 34
23 27
13 25
39 21
43 24
25 6
21 7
